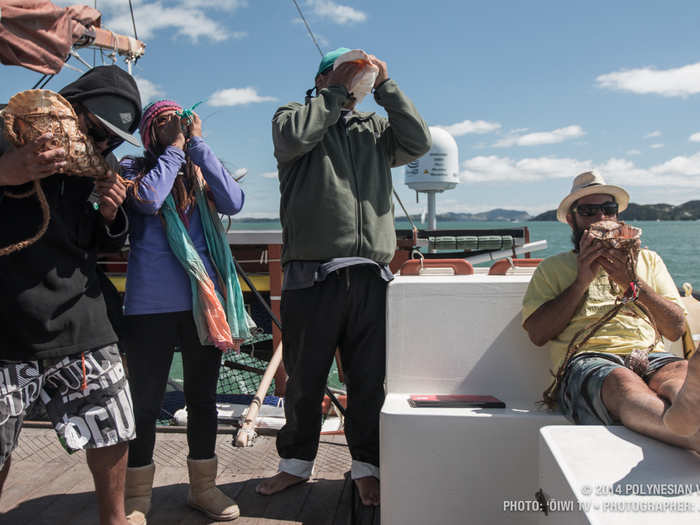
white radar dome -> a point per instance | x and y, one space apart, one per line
437 170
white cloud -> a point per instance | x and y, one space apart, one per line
237 97
622 172
495 169
656 146
182 21
676 82
656 133
149 91
224 5
190 18
468 126
340 14
542 137
269 175
633 152
679 172
695 137
681 165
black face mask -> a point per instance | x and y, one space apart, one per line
99 134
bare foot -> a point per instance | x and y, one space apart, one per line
368 487
683 417
278 483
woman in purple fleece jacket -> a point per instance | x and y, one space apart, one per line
159 302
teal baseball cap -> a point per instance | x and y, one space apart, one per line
329 58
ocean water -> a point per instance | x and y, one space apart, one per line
674 241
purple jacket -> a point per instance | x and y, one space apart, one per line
156 281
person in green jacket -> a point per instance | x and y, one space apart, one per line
338 235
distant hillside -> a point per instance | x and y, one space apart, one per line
258 219
493 215
550 215
689 211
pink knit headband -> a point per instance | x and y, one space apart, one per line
149 114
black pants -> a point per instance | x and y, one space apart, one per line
149 353
345 310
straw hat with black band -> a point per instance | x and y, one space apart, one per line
591 183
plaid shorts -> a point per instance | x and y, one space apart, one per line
580 396
99 415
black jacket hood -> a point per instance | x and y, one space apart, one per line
105 80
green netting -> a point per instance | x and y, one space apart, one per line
234 378
239 374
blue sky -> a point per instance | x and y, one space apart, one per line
533 92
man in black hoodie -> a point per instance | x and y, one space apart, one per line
56 342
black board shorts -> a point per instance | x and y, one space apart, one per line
85 395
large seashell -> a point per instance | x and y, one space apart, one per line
32 113
638 362
615 234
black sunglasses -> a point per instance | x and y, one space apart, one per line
99 134
589 210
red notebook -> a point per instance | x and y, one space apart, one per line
454 401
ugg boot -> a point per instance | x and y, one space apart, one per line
204 495
137 493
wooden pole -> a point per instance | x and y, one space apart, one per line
246 434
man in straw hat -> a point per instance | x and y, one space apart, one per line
338 230
57 346
573 291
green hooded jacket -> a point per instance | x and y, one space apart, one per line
335 173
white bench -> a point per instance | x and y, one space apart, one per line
614 476
460 334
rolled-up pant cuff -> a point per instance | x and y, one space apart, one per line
360 469
296 467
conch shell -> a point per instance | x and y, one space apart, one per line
615 234
618 236
32 113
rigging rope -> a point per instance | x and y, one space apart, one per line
307 27
413 226
133 22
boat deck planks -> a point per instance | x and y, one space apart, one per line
46 485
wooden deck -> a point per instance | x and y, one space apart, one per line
46 485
